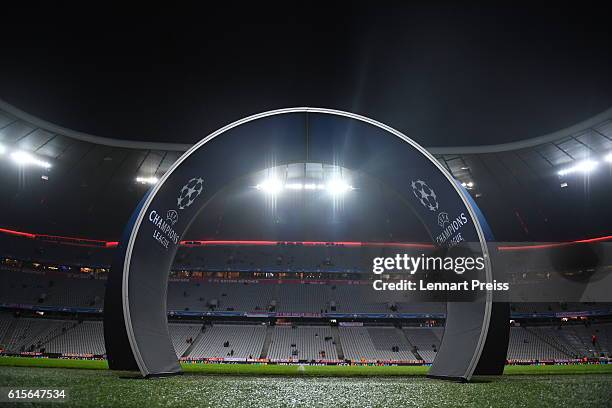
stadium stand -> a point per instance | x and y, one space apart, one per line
183 336
50 289
63 293
526 345
425 341
230 341
29 335
83 290
375 344
82 338
529 343
302 343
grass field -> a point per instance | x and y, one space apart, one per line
227 385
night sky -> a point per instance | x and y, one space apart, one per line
443 74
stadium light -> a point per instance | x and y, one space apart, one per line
24 158
608 158
147 180
294 186
274 186
2 149
585 166
338 186
270 186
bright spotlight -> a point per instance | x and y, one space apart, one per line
24 158
274 186
294 186
2 149
608 158
147 180
585 166
338 186
270 186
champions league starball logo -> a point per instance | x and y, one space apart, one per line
450 227
425 195
164 232
190 192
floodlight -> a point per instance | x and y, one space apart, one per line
2 149
338 186
274 186
294 186
147 180
585 166
608 158
24 158
270 186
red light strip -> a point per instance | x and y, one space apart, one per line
554 244
53 237
67 240
193 243
18 233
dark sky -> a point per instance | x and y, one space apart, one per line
444 74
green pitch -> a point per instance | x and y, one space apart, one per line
227 385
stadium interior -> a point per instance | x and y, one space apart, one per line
305 204
276 268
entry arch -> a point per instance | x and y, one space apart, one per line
135 314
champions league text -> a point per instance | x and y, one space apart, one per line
164 233
409 264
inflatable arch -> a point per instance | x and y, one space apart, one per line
135 314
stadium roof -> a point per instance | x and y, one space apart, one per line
10 115
548 152
94 176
